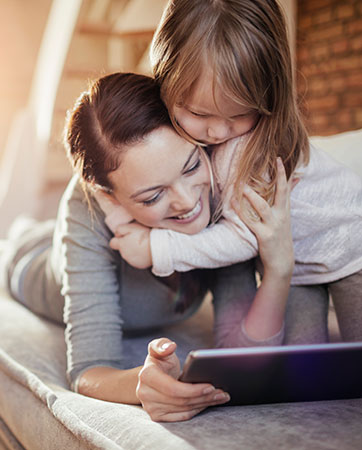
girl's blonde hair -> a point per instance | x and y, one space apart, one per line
245 44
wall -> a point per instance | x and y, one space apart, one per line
329 62
21 27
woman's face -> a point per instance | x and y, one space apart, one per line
164 182
213 119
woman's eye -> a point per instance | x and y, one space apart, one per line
195 166
152 200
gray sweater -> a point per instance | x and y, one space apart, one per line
73 270
104 296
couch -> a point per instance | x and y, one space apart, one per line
38 411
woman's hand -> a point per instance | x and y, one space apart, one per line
133 243
164 397
273 231
273 228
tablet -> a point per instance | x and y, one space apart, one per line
295 373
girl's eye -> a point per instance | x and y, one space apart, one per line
152 200
194 167
197 114
245 114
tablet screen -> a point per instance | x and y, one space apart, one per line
280 374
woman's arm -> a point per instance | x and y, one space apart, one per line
88 270
154 385
244 315
88 273
110 384
273 232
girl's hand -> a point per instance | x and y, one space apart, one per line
164 397
273 228
133 243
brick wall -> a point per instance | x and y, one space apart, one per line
329 63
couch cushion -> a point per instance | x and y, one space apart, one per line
344 147
38 410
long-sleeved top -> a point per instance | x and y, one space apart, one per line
105 297
326 218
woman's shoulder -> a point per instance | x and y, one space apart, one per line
74 189
76 196
80 205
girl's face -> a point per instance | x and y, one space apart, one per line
213 119
164 182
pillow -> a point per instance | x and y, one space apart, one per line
344 147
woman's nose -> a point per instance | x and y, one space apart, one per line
183 198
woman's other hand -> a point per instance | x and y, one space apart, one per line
273 226
164 397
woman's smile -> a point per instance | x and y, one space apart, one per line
191 215
164 182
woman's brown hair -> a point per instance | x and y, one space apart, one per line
245 43
116 111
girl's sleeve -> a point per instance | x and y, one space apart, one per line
227 242
89 276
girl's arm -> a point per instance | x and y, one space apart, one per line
154 386
222 244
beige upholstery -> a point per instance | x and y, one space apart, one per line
37 410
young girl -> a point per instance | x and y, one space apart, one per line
120 140
225 72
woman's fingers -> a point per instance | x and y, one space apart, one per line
260 206
160 348
175 416
167 386
282 191
162 395
283 186
172 413
262 210
165 408
176 403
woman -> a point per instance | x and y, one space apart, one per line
120 140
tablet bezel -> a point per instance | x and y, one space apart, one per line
257 375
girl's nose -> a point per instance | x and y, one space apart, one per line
219 130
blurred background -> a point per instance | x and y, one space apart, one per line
51 48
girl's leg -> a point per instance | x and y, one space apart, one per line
30 279
306 319
347 299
